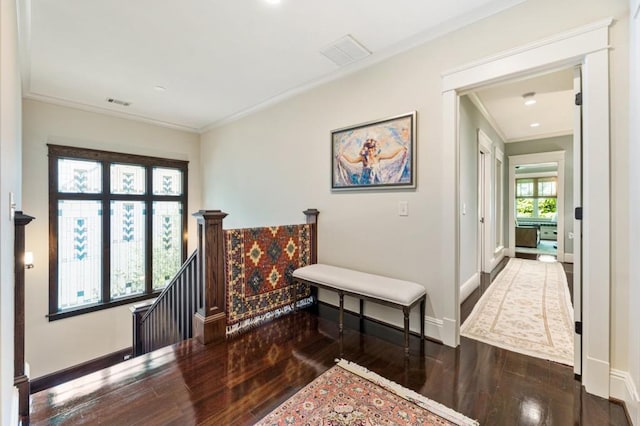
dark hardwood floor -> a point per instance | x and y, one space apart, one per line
242 379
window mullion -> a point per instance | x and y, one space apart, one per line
149 232
53 231
106 232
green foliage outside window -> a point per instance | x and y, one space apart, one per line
547 207
525 207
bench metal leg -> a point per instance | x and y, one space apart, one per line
341 314
405 311
423 304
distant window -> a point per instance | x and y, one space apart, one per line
117 226
536 198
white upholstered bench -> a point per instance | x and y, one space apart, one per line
386 291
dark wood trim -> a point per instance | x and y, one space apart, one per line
49 380
210 320
312 219
137 312
101 306
116 157
20 379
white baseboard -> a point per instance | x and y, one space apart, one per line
469 286
568 257
496 259
433 328
596 382
623 388
449 332
15 407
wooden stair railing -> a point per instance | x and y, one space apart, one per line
168 319
20 377
194 303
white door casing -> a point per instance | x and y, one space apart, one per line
577 224
587 46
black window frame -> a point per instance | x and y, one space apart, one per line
107 158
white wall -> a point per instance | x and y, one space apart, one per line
10 169
619 192
470 121
269 166
51 346
633 380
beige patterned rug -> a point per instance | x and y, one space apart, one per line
527 309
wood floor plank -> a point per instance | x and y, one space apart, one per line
239 381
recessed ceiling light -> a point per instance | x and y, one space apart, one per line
160 88
273 1
534 125
529 98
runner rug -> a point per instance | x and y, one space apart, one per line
527 309
348 394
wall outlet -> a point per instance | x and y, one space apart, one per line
571 235
403 208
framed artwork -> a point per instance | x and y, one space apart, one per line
379 154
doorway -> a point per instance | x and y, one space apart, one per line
586 46
535 212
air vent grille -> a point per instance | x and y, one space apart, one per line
118 102
345 50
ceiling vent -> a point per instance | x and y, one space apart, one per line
345 50
118 102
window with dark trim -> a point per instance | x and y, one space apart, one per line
117 228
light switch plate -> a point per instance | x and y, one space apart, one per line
403 208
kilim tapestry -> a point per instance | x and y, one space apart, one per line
348 394
259 266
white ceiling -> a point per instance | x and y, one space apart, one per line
217 59
504 106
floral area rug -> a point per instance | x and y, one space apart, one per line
348 394
527 309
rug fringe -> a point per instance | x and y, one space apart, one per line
408 394
249 323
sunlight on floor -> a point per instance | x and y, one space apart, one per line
547 258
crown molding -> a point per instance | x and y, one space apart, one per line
98 110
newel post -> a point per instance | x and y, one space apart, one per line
312 219
20 379
210 322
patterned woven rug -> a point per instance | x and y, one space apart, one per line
348 394
259 267
527 309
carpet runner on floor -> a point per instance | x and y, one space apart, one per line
348 394
527 309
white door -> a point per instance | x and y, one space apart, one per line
577 224
485 223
